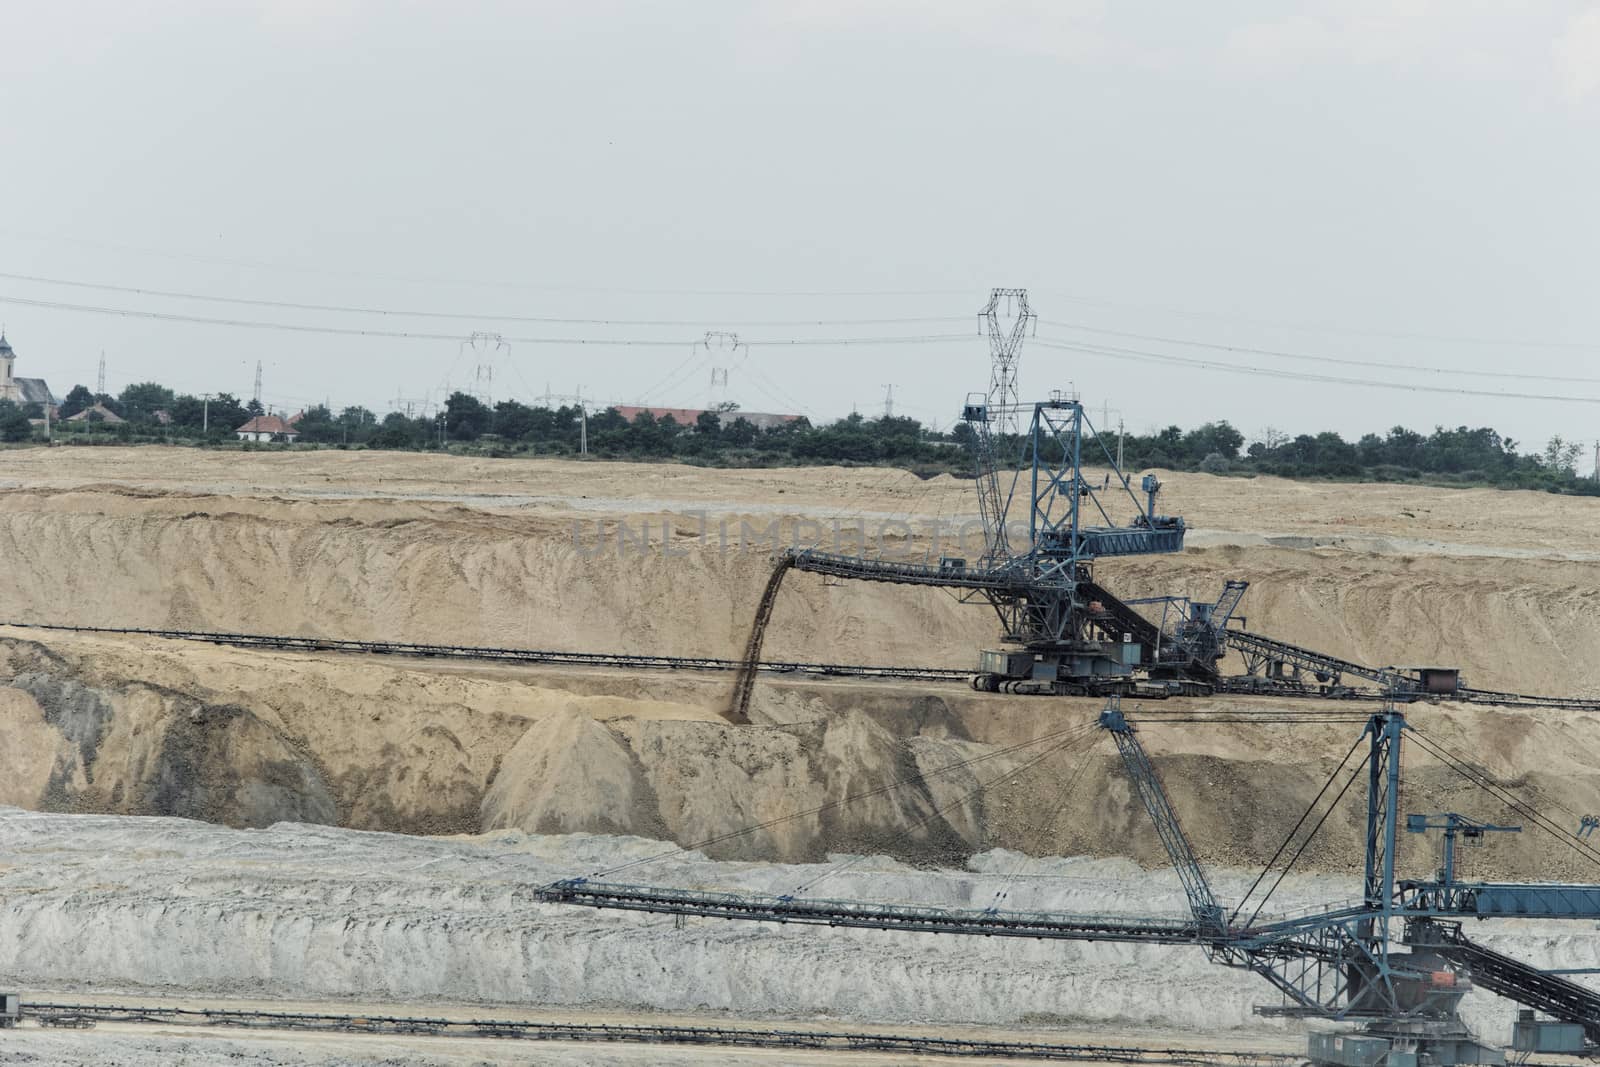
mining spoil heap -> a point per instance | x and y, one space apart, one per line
645 558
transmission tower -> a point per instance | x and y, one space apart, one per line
485 348
721 343
1005 344
100 383
888 401
258 384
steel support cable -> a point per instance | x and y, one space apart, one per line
1511 800
1540 794
1355 773
1049 827
904 833
1077 728
1583 849
1332 777
1501 793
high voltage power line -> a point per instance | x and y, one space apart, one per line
487 283
406 335
289 305
1138 355
1081 347
1320 327
1311 358
1067 295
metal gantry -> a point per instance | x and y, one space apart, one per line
1397 961
1045 522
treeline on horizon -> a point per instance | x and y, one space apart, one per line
155 414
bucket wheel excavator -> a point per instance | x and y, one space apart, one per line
1392 966
1045 521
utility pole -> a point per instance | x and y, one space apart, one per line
1004 346
205 413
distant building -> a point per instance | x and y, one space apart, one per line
20 390
268 428
681 416
98 413
761 420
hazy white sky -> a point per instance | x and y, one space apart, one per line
1390 183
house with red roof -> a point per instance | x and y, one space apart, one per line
268 428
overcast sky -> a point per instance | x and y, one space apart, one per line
1377 185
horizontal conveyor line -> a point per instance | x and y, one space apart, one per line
1241 687
993 923
515 655
73 1015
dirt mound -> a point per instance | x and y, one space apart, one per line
563 755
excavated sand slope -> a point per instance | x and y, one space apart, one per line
549 554
459 551
249 738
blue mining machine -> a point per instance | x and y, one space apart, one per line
1046 520
1392 967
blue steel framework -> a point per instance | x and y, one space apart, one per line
1343 963
1079 635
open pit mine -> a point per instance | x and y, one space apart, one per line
347 757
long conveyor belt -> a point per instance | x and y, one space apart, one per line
791 1039
1249 687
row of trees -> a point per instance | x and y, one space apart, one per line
1461 455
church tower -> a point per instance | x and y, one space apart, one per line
19 390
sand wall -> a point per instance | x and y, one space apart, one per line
545 577
929 774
